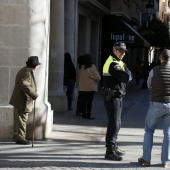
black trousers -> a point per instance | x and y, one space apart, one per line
114 110
70 83
84 102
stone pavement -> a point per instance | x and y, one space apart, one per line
78 144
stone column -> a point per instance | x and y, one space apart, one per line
39 46
57 97
71 32
24 32
70 27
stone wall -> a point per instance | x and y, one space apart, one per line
24 30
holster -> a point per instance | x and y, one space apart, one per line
110 94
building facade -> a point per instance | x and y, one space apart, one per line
48 29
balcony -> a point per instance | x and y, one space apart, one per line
102 5
127 9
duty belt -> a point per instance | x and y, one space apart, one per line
112 93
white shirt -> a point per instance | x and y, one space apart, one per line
150 79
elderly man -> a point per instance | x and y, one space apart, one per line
25 91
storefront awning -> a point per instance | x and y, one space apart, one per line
114 29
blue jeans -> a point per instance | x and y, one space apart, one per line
153 116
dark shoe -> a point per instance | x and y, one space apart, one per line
119 151
111 154
84 117
23 142
14 138
78 114
167 165
90 117
143 162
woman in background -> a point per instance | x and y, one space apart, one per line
69 78
87 77
79 110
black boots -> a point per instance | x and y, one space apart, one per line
118 150
114 153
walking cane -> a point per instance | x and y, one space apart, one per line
33 126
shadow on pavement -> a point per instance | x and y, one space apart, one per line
55 163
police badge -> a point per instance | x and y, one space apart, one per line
117 67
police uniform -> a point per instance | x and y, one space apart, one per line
115 76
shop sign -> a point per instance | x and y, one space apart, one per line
123 37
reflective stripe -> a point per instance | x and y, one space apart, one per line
108 62
106 74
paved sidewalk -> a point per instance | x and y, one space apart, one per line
78 144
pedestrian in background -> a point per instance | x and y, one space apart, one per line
25 91
79 109
138 71
159 84
69 79
86 83
115 76
145 74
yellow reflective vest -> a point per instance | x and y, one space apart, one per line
107 65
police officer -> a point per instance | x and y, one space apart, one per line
115 76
